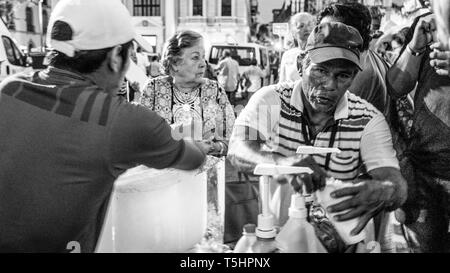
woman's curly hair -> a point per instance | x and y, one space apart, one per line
173 48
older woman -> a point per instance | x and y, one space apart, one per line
301 25
184 95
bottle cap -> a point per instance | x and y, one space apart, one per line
266 226
298 209
249 228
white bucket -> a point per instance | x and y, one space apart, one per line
155 211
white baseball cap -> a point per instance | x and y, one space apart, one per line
89 25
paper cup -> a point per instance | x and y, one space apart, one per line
342 227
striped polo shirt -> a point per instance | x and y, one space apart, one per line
359 130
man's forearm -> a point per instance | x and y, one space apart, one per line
393 182
401 191
403 75
246 154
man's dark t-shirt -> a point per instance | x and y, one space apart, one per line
63 142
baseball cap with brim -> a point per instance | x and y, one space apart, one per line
334 40
320 55
76 25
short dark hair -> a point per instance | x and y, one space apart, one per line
173 49
85 61
226 53
352 14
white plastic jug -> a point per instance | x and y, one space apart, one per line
155 211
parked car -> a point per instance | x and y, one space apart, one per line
12 59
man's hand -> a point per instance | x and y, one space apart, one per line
440 59
369 197
313 182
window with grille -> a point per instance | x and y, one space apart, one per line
147 7
226 7
197 7
29 19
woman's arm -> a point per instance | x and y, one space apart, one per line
403 75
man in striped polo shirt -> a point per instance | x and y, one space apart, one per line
65 136
317 110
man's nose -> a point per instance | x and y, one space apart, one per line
329 83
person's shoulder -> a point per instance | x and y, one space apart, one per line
292 52
13 81
160 80
137 113
269 94
358 106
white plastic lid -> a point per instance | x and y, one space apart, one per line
266 226
249 229
297 208
272 169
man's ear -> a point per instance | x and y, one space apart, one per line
115 59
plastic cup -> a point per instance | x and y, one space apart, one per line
342 227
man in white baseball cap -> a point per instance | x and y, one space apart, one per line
93 25
65 136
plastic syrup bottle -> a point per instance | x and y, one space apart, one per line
297 235
248 239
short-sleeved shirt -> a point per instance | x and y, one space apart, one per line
288 65
254 74
228 75
360 130
63 142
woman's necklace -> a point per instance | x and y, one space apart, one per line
186 96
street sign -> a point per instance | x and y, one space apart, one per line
281 29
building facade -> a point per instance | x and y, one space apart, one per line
155 20
23 19
219 21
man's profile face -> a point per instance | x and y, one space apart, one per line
325 83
